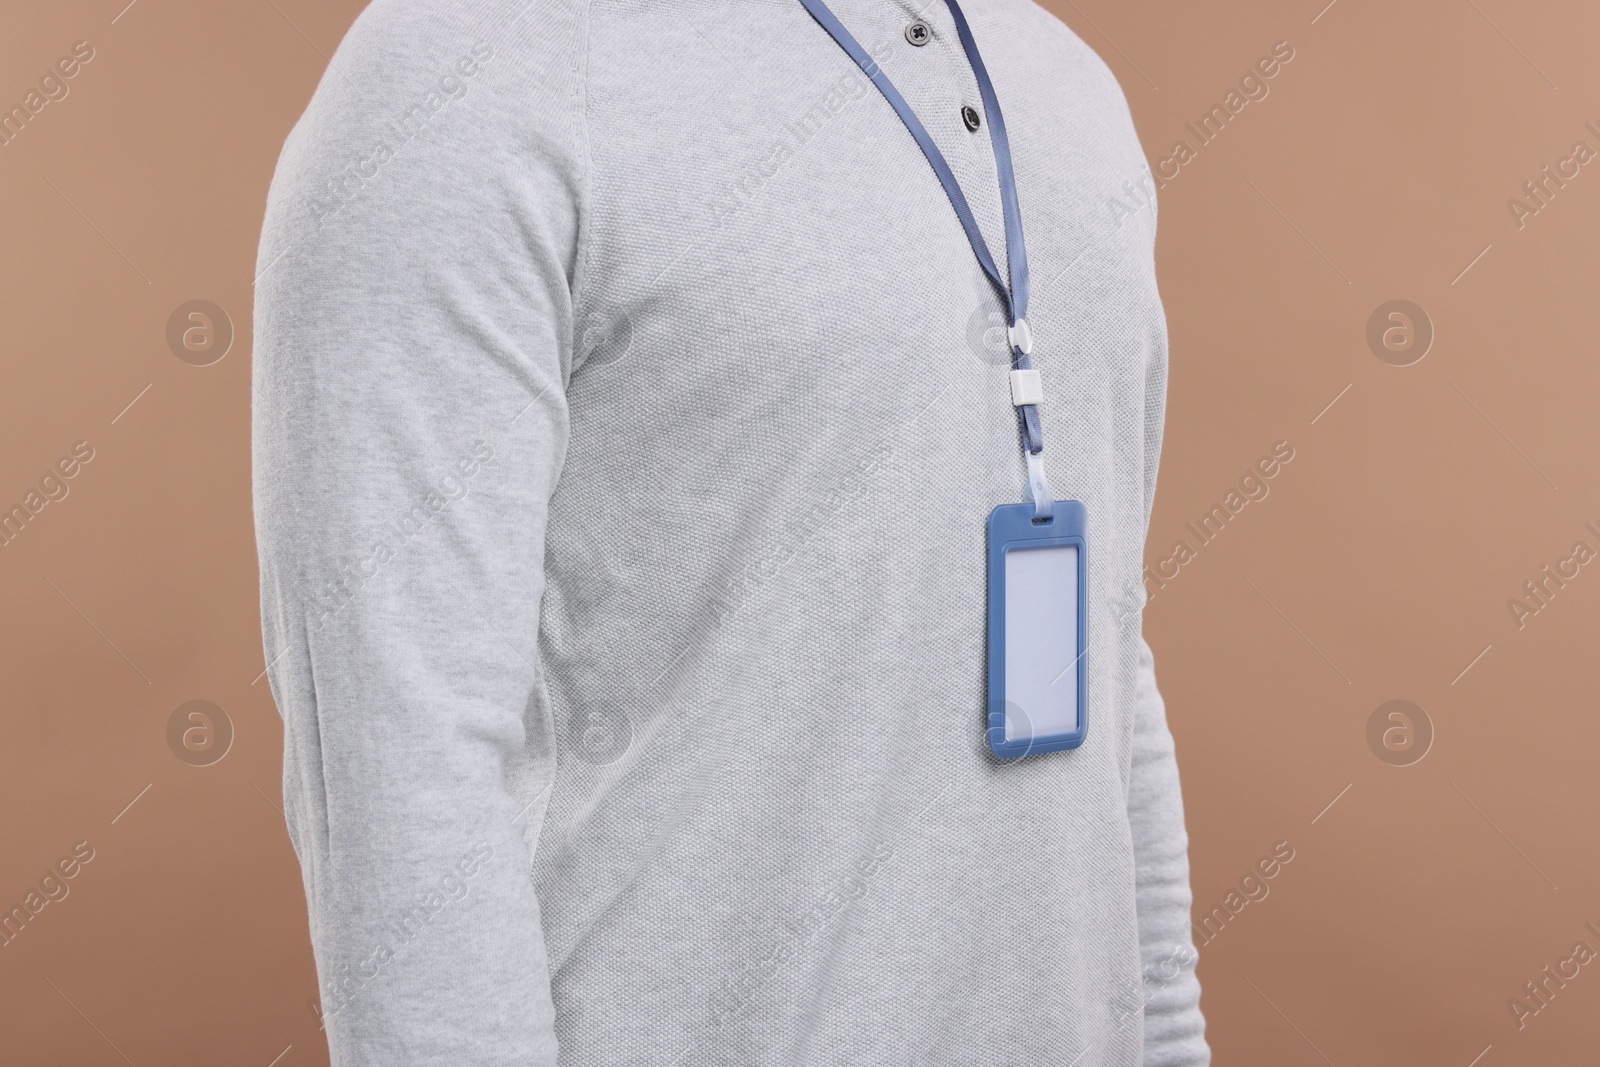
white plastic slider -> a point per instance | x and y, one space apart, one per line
1026 388
1021 337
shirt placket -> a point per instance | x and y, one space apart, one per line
938 82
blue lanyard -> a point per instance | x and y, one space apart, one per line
1015 295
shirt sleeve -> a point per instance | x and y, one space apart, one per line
1174 1029
412 345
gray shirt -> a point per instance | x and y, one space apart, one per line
628 407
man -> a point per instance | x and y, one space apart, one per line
629 405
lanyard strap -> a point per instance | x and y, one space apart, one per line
1024 378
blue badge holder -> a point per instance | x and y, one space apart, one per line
1038 688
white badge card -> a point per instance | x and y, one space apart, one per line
1037 621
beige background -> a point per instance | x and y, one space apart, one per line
1379 566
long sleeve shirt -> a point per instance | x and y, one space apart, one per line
628 407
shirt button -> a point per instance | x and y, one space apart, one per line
970 117
918 32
